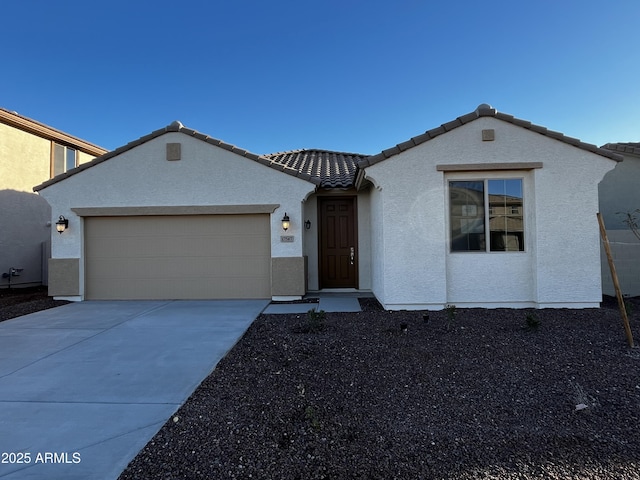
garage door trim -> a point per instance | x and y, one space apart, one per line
175 210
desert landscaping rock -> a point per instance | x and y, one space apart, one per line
459 394
15 302
482 394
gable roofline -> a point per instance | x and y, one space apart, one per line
484 110
39 129
628 148
176 126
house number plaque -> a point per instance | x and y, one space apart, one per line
286 238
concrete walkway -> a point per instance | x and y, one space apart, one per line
328 303
85 386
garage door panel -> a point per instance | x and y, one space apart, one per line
174 245
174 267
171 257
168 289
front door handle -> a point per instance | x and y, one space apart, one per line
353 255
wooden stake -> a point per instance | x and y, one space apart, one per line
616 283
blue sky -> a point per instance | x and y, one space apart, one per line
347 75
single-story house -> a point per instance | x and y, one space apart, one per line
620 194
484 211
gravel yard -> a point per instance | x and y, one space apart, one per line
482 394
15 302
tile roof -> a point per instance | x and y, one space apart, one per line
624 147
334 169
178 127
484 110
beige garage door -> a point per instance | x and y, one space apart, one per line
177 257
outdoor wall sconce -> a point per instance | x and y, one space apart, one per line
62 224
285 222
307 224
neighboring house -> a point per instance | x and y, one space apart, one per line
30 153
620 193
486 211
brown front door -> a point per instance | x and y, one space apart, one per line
338 242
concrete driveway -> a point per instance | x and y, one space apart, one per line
85 386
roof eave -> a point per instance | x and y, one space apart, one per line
485 110
622 149
41 130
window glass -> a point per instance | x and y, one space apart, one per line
64 159
503 217
466 201
71 159
58 159
506 224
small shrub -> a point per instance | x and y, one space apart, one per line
451 314
532 321
311 416
315 321
628 306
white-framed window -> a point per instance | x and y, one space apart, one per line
63 159
493 205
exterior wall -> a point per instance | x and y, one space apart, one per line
24 243
24 159
206 175
84 157
377 245
24 162
288 276
311 247
364 240
65 274
620 192
409 236
560 265
625 250
310 242
567 238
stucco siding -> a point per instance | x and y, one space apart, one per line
560 265
377 245
625 250
310 242
84 157
364 240
24 242
409 251
24 159
620 192
568 256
